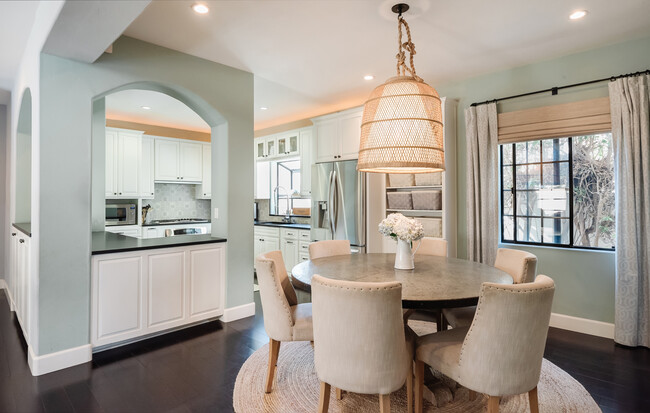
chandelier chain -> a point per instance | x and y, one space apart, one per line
407 46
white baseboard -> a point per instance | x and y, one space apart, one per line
48 363
3 284
236 313
582 325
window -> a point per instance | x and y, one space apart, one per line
559 192
285 188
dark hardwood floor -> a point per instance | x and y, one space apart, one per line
195 370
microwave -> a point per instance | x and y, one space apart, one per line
121 214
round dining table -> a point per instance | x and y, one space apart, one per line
435 283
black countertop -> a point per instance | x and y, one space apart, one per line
24 227
108 243
281 225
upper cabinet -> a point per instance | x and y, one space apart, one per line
204 191
277 146
288 143
177 161
338 135
306 158
146 168
123 154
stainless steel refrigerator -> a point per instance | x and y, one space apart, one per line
338 194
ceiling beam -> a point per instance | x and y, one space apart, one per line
85 29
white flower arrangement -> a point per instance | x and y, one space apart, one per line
397 226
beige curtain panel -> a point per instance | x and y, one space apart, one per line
557 121
631 133
482 183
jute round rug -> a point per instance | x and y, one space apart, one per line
296 388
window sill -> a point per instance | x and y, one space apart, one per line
577 249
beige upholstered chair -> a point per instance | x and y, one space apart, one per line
284 318
322 249
432 246
501 352
359 339
521 266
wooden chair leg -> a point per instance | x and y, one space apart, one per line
409 389
493 404
324 400
532 399
339 394
384 403
472 395
406 315
274 351
419 385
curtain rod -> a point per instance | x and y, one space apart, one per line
554 90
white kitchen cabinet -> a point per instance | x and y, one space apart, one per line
267 147
146 168
178 161
289 248
204 190
205 284
262 180
338 135
123 154
142 292
21 280
267 239
166 289
288 143
118 299
305 161
127 230
293 243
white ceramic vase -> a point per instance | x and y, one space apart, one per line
404 256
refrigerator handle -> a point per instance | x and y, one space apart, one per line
330 195
335 205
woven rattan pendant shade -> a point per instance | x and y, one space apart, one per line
401 130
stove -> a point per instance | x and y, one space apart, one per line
178 221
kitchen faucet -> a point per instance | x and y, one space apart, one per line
287 216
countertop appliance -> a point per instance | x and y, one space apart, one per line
185 231
338 194
121 214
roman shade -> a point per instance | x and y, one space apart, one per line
567 119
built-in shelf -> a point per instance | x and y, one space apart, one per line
415 187
428 212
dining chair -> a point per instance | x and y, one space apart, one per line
320 249
361 344
521 266
501 352
284 318
432 246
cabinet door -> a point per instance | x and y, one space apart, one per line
13 267
305 162
206 282
271 149
290 253
191 162
293 143
206 185
283 145
146 168
166 289
128 164
350 136
262 180
270 244
327 142
117 289
166 164
260 148
111 160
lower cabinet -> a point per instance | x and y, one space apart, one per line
19 280
293 243
143 292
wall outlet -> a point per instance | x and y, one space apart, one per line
216 213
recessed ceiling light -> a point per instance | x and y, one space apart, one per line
200 8
146 107
578 14
264 108
368 77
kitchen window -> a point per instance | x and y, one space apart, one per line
285 189
559 192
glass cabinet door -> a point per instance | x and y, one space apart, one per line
259 149
282 146
293 144
270 147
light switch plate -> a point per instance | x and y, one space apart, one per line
216 213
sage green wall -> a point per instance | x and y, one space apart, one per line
98 165
222 95
585 280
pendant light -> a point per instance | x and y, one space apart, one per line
401 129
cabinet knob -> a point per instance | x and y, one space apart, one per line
22 241
120 193
181 177
205 194
152 193
13 234
114 193
178 177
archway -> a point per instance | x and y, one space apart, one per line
23 164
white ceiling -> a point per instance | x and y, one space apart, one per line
309 57
165 110
16 20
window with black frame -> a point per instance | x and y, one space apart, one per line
559 192
285 188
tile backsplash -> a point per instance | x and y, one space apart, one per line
176 201
263 213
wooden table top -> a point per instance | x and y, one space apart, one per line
436 282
